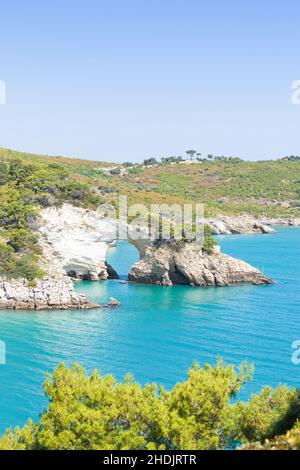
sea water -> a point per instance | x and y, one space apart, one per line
158 332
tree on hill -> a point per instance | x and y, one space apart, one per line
150 161
191 154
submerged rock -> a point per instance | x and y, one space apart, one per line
113 302
167 266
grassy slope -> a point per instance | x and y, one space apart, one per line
260 188
266 187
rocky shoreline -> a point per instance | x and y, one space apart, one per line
75 241
46 295
224 225
245 224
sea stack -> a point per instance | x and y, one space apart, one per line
167 266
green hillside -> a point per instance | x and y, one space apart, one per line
269 188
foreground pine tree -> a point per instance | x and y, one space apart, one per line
94 412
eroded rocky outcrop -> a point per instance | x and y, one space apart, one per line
226 225
280 221
75 242
45 295
244 224
166 266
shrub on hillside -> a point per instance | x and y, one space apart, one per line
27 267
7 258
22 240
209 241
13 266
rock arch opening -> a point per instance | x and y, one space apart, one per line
75 241
121 257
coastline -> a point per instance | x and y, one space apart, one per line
243 224
56 291
166 326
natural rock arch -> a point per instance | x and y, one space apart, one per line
75 241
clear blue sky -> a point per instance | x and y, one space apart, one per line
128 79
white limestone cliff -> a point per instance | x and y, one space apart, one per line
75 241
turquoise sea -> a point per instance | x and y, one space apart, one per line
158 332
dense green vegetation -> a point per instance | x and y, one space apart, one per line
288 441
265 188
94 412
225 185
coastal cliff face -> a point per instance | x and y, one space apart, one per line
72 239
167 266
46 295
75 242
